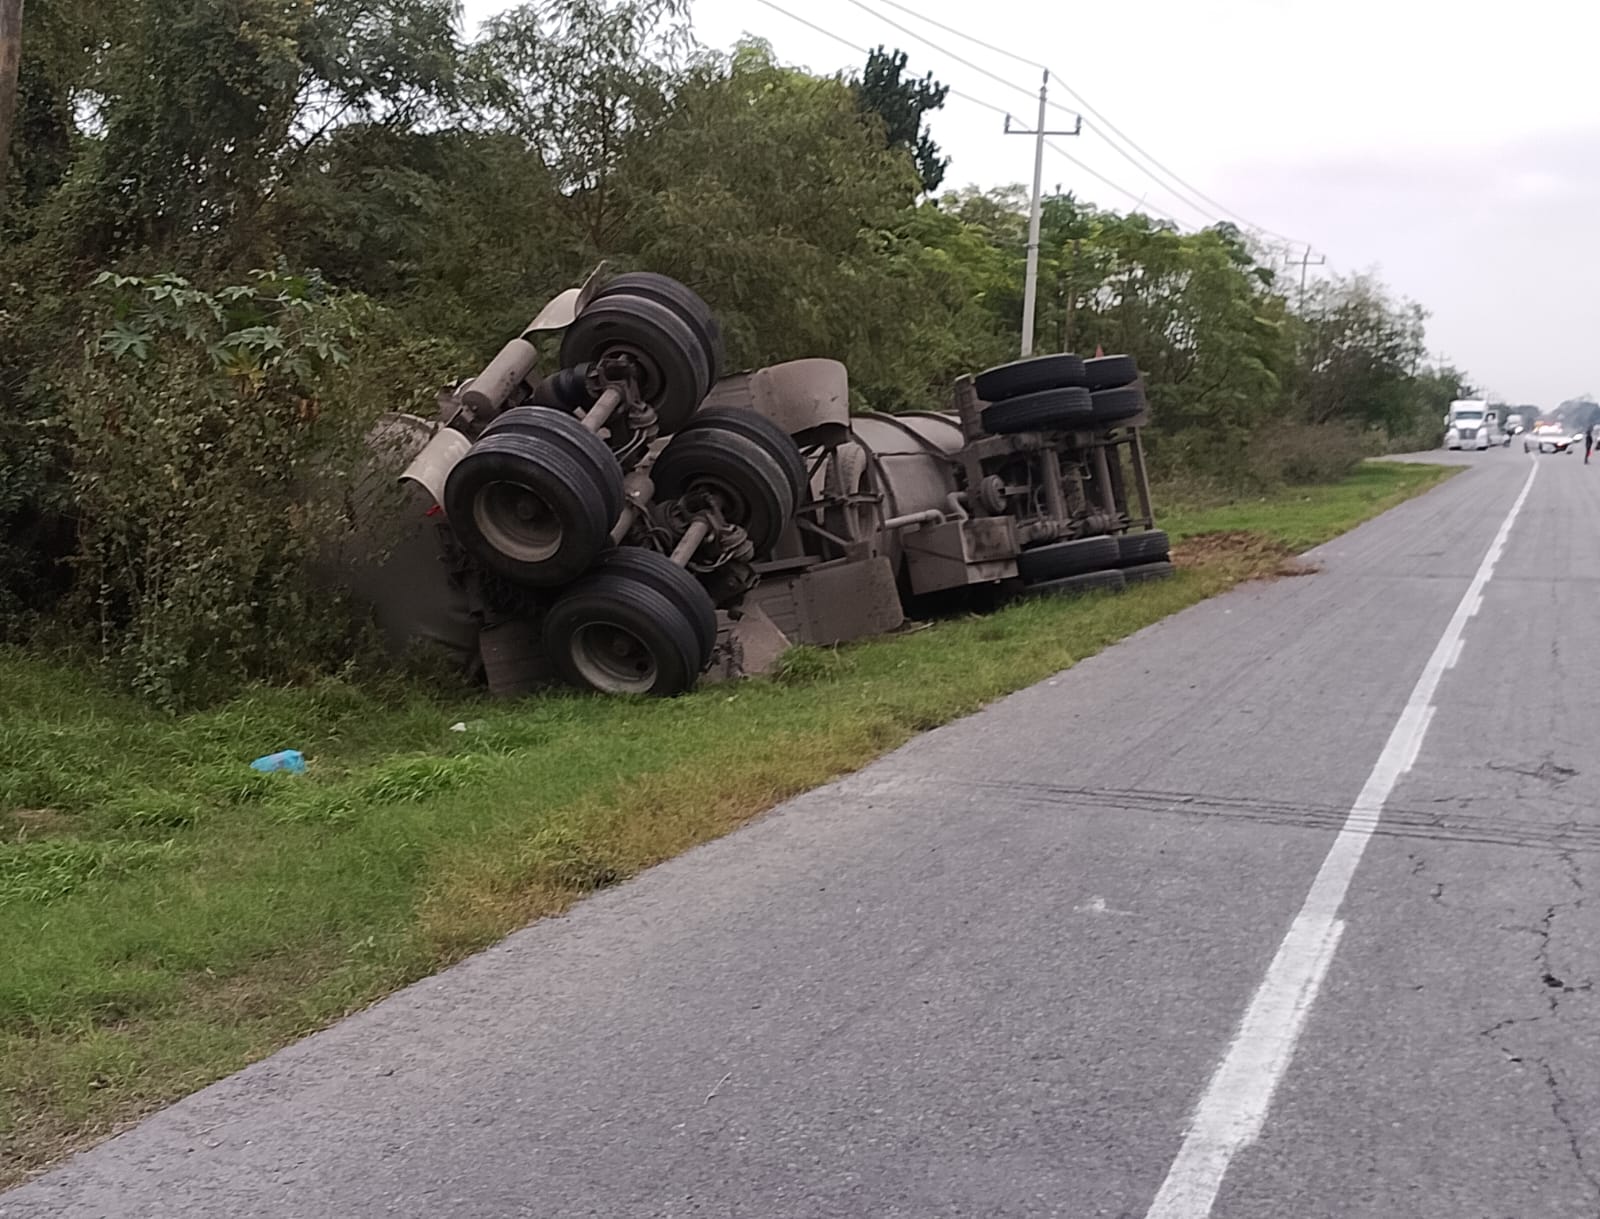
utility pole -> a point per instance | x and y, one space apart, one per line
1030 284
1305 261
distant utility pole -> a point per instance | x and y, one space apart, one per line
1030 284
1305 260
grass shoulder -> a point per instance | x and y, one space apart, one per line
172 916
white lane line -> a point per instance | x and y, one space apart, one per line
1230 1115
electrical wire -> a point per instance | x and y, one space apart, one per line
1214 205
827 33
1139 200
1094 173
967 63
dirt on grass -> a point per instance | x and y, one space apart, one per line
1253 556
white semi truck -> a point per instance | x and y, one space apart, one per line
1471 424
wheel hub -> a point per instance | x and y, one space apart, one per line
517 522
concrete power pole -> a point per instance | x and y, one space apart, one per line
1305 261
1030 284
10 69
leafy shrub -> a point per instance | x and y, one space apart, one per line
212 439
1305 453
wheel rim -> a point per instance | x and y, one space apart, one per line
613 659
517 522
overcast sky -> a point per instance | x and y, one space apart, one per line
1453 148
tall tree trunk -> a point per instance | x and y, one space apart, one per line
10 68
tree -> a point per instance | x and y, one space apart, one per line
883 90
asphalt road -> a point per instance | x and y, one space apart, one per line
1006 970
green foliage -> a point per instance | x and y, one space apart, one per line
883 90
199 426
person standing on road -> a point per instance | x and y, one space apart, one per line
1588 442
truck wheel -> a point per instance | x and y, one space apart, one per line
749 484
1115 405
1110 372
1029 377
682 300
672 582
527 510
1073 585
1046 410
1067 558
616 634
674 373
566 433
1149 546
1148 571
777 443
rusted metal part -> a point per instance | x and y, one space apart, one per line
514 662
1141 479
833 603
1050 469
487 392
930 516
431 467
1102 481
596 417
558 313
693 538
809 399
982 550
968 408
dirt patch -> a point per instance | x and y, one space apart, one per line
1255 555
23 824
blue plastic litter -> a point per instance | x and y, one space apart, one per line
291 761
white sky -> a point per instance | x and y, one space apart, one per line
1452 147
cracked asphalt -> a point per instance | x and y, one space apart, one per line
991 974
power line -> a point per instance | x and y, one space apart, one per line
982 71
950 29
860 50
1137 199
1208 212
1094 173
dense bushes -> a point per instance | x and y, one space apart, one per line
210 437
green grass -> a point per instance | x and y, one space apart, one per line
1303 517
170 915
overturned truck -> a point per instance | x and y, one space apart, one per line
636 520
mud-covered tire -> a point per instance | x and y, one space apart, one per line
748 482
777 442
1047 410
1146 546
1111 581
553 427
1119 405
616 634
1060 559
1148 571
527 510
1110 372
675 373
1030 377
672 582
682 300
